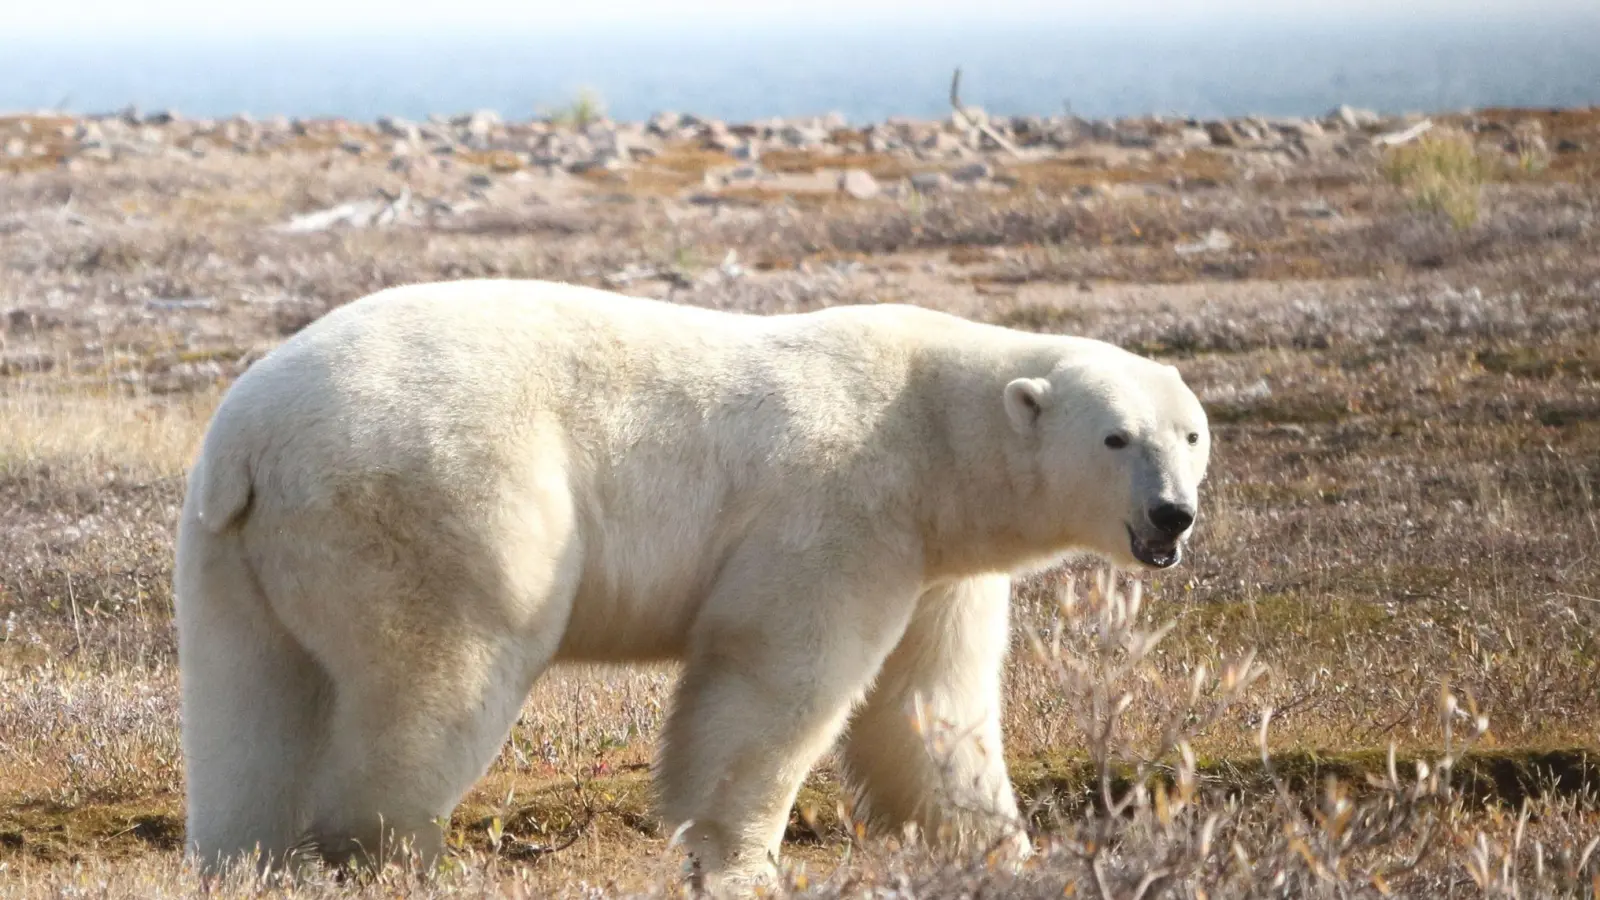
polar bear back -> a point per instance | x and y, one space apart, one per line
644 437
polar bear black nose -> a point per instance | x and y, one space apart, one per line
1171 518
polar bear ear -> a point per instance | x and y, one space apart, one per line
1025 400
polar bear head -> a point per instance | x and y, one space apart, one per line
1118 446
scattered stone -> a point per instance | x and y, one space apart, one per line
1301 128
480 122
664 123
25 362
971 172
941 143
1215 241
1318 209
1221 135
930 182
859 184
354 214
804 138
395 127
1355 119
381 212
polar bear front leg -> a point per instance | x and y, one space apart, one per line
777 658
945 773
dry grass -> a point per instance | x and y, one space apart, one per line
1441 173
1407 419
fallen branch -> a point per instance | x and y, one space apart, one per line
972 121
1396 138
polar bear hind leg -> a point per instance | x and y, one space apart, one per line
431 646
254 710
351 672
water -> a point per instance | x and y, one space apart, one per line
1286 69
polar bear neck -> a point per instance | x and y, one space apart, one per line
981 480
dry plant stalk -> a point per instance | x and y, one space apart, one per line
1151 828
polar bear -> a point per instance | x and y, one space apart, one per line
402 515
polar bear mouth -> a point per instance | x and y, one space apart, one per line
1160 554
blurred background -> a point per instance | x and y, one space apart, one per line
741 61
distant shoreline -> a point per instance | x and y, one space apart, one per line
159 116
866 72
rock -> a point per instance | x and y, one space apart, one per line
1568 145
359 214
1221 135
971 172
719 138
1216 240
16 147
665 124
1317 209
1353 118
1194 138
353 147
1102 132
880 141
803 137
930 182
611 149
354 214
18 320
1135 139
860 184
941 143
24 362
396 127
478 122
1300 128
1318 146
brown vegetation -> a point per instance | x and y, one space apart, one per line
1402 518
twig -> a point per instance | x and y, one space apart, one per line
983 127
77 625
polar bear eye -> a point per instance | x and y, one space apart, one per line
1194 437
1116 441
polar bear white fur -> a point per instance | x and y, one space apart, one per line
401 516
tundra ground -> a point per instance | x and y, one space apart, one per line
1402 523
